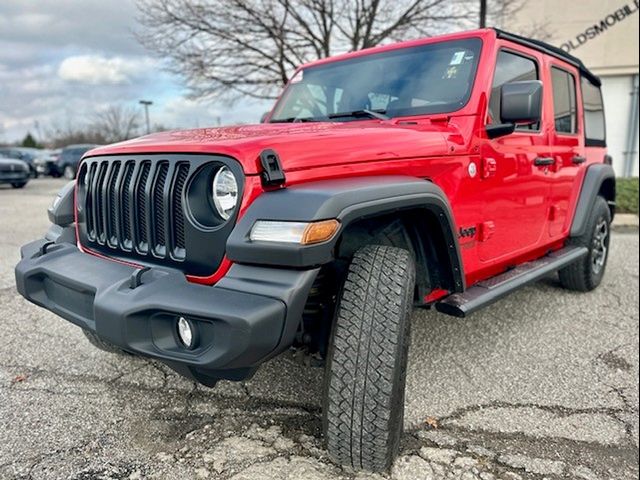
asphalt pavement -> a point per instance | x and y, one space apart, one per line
543 384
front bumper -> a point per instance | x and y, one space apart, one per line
248 317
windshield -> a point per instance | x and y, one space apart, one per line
434 78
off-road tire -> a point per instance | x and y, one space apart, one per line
580 276
97 342
363 401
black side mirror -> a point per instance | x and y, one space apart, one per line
520 103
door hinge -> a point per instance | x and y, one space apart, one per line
489 167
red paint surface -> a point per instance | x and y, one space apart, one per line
435 294
516 199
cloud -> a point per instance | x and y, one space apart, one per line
61 61
98 70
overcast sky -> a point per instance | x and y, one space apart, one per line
63 60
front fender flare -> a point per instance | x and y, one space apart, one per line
347 200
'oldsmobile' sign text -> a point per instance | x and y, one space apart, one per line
602 26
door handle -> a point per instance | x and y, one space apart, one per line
544 161
578 160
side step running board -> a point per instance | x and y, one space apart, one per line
488 291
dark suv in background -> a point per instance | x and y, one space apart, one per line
26 154
67 164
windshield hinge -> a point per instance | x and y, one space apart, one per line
272 173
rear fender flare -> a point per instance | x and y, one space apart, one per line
597 177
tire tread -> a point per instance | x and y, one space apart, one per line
367 359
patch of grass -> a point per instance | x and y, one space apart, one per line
627 195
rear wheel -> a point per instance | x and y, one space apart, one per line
18 184
366 364
586 274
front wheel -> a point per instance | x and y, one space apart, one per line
366 365
18 184
586 274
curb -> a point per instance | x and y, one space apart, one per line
625 223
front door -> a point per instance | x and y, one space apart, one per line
515 185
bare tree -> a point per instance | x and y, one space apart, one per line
501 14
61 134
232 48
117 123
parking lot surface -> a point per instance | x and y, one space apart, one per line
543 384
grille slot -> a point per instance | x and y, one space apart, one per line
182 173
125 202
159 224
89 202
112 200
98 200
141 208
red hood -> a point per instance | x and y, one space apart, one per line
300 145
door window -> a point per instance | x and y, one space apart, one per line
594 127
510 67
564 101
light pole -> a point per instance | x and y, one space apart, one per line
146 104
483 13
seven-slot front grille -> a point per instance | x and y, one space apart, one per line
136 206
154 209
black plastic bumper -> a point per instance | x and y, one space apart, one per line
246 318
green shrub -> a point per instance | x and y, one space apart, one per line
627 195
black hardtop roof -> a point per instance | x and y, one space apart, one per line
550 50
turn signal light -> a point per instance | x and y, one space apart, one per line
302 233
318 232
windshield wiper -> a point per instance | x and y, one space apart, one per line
379 114
294 120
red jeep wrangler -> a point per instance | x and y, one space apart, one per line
443 172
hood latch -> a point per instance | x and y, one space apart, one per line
272 173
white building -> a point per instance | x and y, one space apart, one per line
604 35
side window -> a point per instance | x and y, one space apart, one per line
510 67
564 101
594 126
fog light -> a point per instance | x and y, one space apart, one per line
186 332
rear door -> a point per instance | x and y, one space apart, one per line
567 146
515 190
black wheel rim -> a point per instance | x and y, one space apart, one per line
599 247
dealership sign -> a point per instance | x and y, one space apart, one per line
602 26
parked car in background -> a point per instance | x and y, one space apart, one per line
25 154
67 163
14 171
45 162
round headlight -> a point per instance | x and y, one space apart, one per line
225 192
